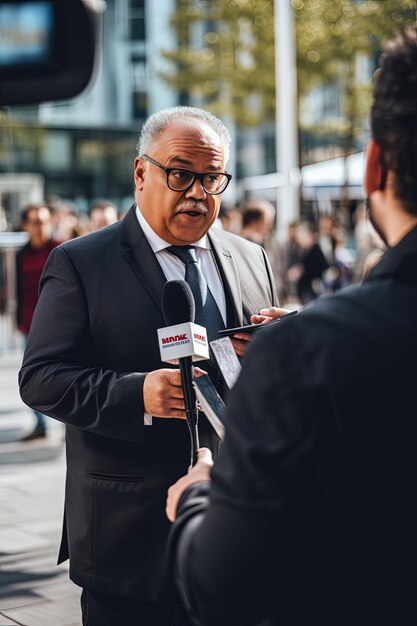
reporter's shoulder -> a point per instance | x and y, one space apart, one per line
331 318
327 317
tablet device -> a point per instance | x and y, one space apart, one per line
250 328
210 402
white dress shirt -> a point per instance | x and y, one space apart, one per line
174 268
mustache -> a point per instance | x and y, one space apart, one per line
193 205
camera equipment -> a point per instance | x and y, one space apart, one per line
48 48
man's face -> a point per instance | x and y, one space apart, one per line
180 218
39 226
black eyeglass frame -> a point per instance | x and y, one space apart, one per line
195 176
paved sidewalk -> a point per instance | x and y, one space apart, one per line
34 591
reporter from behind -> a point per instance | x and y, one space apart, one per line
310 503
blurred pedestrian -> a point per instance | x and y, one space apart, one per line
68 223
307 272
310 517
325 238
258 217
341 263
289 255
36 220
258 225
102 213
231 219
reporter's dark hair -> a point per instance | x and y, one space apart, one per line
394 113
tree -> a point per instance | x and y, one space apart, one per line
225 54
221 67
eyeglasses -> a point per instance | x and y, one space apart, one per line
179 179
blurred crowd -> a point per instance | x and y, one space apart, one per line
47 224
64 221
317 256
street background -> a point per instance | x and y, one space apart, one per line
34 591
298 131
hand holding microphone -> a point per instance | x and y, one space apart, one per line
182 342
163 395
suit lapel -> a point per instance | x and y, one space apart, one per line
228 268
141 258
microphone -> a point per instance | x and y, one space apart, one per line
181 337
178 304
183 342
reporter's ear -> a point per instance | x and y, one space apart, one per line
373 170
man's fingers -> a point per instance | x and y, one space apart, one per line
274 312
260 319
174 378
242 336
199 372
172 403
176 393
162 394
268 315
205 456
239 346
174 414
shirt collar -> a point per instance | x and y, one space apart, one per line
157 243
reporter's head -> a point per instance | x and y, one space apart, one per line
391 172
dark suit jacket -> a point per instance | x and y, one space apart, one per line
93 338
312 517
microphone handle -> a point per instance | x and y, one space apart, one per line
192 421
190 404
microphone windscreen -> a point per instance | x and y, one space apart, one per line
178 304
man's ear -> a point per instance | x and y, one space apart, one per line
139 173
373 170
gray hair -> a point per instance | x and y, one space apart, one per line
156 124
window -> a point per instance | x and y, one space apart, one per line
137 25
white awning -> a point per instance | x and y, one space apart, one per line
320 181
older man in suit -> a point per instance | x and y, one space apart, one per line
93 362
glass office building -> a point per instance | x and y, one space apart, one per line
84 149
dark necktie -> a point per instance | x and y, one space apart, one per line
207 312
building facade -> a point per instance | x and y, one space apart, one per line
83 149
